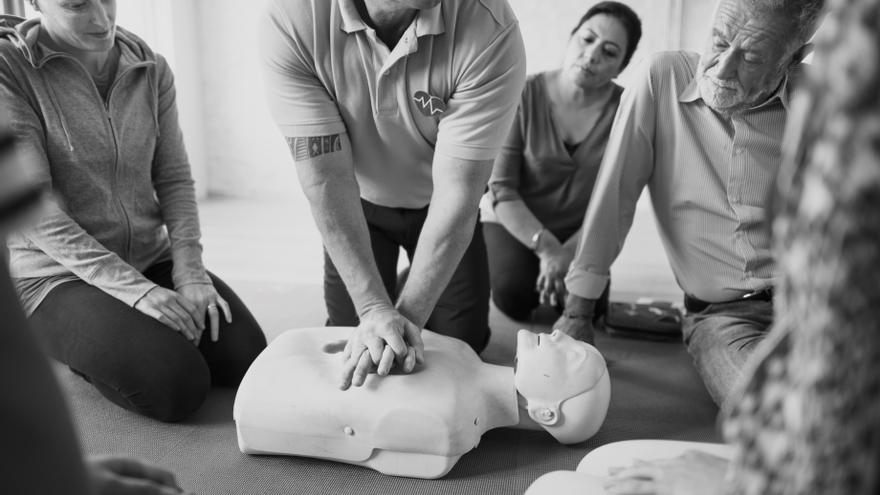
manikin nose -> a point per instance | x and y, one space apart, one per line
545 338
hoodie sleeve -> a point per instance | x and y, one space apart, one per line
173 183
56 233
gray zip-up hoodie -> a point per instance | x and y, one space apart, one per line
117 168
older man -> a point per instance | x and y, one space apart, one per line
703 132
394 111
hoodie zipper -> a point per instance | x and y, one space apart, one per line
107 113
114 187
116 167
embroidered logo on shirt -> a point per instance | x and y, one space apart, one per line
430 106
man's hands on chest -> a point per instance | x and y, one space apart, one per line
383 338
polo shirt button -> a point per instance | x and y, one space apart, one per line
738 151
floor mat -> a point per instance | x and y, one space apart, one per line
655 394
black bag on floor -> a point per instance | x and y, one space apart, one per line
656 320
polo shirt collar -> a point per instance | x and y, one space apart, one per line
691 93
430 22
427 22
351 18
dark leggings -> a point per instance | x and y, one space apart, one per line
513 271
137 362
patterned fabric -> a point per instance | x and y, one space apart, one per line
709 178
808 422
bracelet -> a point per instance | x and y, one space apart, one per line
536 238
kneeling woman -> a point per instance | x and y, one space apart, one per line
112 275
544 175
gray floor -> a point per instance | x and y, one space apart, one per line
269 252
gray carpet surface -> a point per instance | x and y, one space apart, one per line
655 394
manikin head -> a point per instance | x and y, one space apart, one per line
752 47
564 382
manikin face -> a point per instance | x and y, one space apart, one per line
555 370
746 58
594 55
80 25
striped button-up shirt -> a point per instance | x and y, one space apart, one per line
710 179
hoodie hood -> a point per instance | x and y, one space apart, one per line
24 35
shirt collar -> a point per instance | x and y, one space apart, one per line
427 22
430 22
691 93
351 18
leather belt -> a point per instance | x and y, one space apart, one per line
695 305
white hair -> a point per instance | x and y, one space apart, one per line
804 15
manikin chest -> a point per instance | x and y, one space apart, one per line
415 425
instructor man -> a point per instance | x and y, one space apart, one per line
394 111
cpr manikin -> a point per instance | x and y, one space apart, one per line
419 424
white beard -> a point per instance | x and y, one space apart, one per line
725 97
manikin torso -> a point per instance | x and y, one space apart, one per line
415 425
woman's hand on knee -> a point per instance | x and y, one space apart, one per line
125 476
173 310
206 301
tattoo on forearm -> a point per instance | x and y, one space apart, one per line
304 148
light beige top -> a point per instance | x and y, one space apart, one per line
451 86
710 179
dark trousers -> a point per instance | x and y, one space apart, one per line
513 271
137 362
463 309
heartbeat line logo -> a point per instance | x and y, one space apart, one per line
430 106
